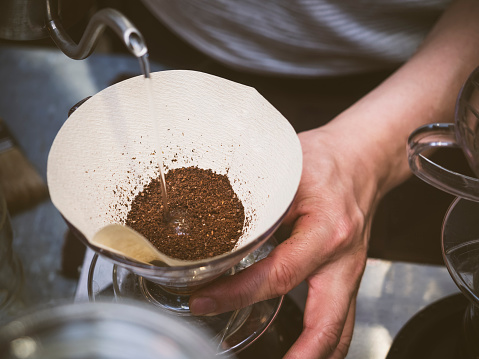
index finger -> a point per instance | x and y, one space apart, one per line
286 266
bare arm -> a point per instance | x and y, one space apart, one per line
423 90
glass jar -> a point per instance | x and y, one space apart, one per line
101 331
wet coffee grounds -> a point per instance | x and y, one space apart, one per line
206 217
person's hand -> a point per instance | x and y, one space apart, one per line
330 221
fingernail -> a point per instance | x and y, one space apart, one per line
202 306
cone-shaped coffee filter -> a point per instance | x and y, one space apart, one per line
107 150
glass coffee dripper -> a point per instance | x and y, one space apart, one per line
111 147
231 332
460 233
464 134
460 249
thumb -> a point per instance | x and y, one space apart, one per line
273 276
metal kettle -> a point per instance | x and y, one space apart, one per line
36 19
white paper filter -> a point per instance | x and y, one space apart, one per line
104 154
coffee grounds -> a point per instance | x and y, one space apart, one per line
206 217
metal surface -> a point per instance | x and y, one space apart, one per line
390 294
37 89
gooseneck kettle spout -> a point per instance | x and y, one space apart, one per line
130 36
36 19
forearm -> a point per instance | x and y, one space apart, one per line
423 90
